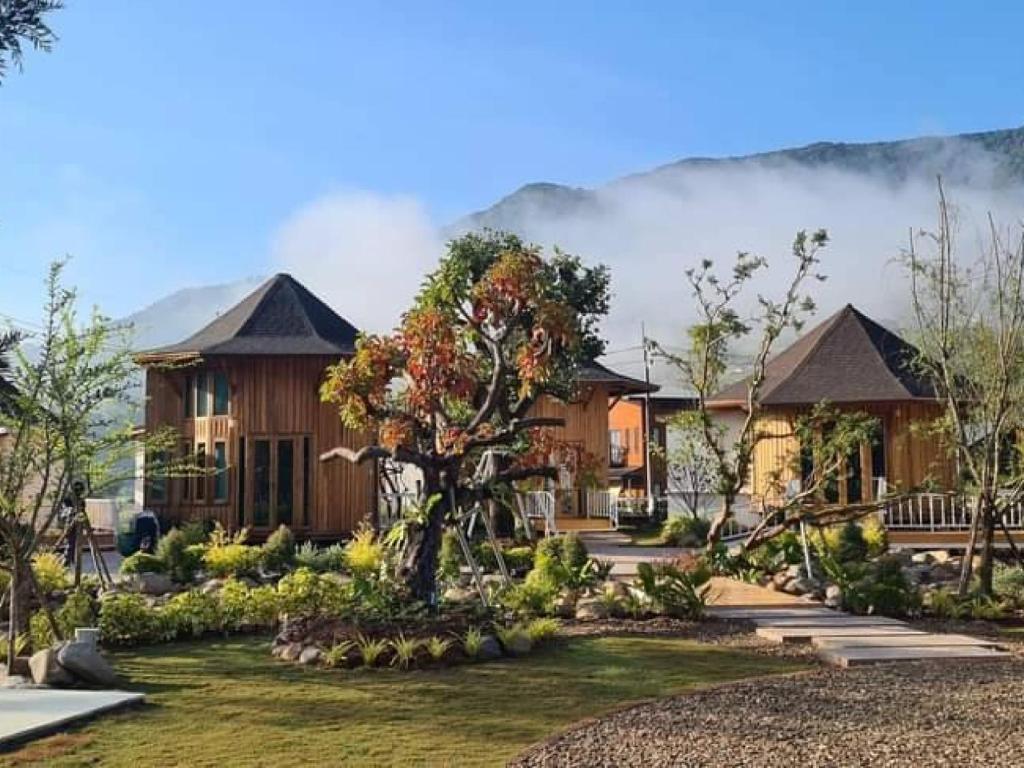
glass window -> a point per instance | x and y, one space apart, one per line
201 464
220 480
285 480
190 397
306 451
158 477
202 396
261 483
241 482
221 396
186 481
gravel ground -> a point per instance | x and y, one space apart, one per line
922 714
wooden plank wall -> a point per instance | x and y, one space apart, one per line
913 457
270 396
586 423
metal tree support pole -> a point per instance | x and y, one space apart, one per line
497 549
807 551
467 552
523 516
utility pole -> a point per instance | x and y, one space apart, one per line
649 475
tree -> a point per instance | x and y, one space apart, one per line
66 420
690 464
720 327
496 327
969 317
24 20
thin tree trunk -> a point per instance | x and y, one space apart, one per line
719 523
967 566
987 541
419 563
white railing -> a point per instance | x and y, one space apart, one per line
941 512
603 504
540 505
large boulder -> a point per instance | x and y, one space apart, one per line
291 652
490 648
564 605
518 644
800 586
148 583
46 670
85 662
310 655
591 608
833 596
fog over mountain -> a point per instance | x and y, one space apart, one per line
366 253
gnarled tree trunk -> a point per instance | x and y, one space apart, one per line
419 562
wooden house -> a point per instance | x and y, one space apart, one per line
855 364
243 394
628 449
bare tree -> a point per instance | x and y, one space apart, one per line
969 315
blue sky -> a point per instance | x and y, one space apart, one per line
165 144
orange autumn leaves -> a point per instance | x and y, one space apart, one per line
423 383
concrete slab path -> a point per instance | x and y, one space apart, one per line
857 656
28 713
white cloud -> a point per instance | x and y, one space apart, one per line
365 254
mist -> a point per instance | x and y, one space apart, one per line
367 253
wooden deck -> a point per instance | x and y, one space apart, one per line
903 539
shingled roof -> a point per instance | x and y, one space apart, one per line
849 358
281 317
618 384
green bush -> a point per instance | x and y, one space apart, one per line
542 630
450 559
1008 583
50 573
364 554
307 593
562 561
181 559
191 614
516 558
128 620
945 604
331 558
534 597
263 607
875 536
873 588
232 559
673 591
279 550
195 533
142 562
685 531
852 545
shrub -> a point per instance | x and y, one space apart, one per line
873 588
945 604
541 630
231 559
516 558
515 639
263 607
371 650
306 593
364 555
192 613
875 536
534 597
674 591
437 647
573 551
852 545
449 560
331 558
1008 583
685 531
141 562
339 654
234 605
128 620
21 644
195 533
562 561
279 550
180 557
404 651
472 642
986 609
50 573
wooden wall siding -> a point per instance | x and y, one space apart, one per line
270 397
912 456
586 423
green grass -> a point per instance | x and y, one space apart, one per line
228 703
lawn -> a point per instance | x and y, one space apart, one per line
228 703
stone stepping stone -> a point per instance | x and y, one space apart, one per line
755 614
902 640
836 620
855 657
807 634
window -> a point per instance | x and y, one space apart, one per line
261 483
854 482
285 481
220 480
190 397
241 482
186 481
158 477
306 452
202 396
221 396
201 464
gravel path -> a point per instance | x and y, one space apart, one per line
921 714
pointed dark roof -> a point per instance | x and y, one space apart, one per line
618 384
281 317
849 358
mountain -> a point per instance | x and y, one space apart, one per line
991 160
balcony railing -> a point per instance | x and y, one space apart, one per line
617 456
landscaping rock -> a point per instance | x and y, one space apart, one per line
89 635
148 583
833 596
519 644
490 648
85 663
781 579
46 670
591 609
801 586
212 586
291 652
460 595
310 655
564 606
617 588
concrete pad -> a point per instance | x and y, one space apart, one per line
807 634
768 612
839 620
901 640
855 657
28 713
